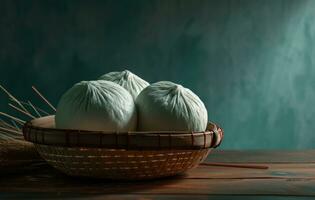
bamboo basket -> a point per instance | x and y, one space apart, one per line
120 155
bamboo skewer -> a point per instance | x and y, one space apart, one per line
43 98
249 166
22 111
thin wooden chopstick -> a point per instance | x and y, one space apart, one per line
249 166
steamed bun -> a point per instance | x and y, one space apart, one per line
131 82
97 105
165 106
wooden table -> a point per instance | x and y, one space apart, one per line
291 175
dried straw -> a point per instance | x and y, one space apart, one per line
14 118
30 105
14 126
15 152
12 97
43 98
18 109
11 128
35 110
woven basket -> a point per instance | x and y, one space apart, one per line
120 155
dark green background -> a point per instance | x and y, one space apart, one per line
251 62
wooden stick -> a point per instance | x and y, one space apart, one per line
33 107
14 118
13 98
22 111
249 166
43 98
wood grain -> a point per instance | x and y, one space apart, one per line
283 178
261 156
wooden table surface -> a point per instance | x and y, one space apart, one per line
291 175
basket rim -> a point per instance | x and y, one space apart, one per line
41 131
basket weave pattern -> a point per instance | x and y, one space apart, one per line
121 164
128 156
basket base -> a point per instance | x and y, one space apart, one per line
120 164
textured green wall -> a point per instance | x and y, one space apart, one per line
251 62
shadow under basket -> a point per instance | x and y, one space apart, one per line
120 155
